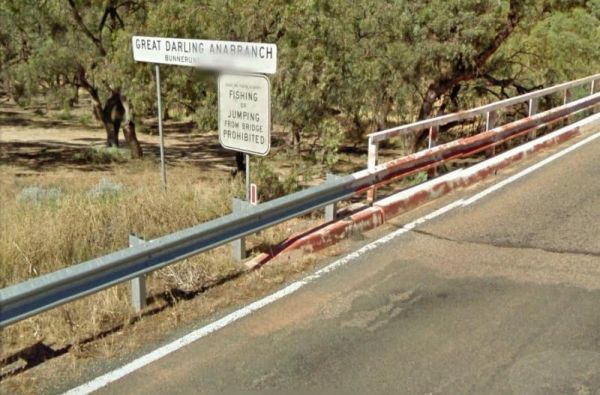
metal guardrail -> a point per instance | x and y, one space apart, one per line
489 110
39 294
530 97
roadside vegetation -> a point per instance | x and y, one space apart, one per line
55 221
345 69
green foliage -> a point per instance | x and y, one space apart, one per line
103 155
344 69
269 184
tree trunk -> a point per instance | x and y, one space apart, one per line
240 162
131 139
98 110
129 129
296 139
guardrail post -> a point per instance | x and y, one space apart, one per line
533 109
331 209
490 123
138 284
371 164
238 247
593 87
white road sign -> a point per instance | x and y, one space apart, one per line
207 54
245 113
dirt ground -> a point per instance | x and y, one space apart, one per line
33 143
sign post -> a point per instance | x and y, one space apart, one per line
247 177
244 99
163 172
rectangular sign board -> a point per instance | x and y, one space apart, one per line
245 113
207 54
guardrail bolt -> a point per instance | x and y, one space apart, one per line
138 284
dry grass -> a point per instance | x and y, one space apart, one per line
63 213
57 375
54 220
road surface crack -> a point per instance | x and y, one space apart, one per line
507 245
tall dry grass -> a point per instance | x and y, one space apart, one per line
81 220
52 221
62 218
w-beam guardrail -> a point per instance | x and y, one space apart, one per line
39 294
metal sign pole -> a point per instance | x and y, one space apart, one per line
163 174
247 177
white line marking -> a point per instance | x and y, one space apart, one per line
199 333
529 170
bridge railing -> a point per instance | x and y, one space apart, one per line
42 293
490 112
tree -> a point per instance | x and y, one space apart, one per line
55 46
344 68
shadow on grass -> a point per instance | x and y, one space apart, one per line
38 353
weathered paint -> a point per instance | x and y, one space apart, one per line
324 236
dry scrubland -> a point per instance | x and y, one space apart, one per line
65 199
53 220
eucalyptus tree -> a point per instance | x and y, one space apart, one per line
56 47
344 68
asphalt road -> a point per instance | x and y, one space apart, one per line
499 297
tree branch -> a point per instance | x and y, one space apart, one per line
461 73
79 21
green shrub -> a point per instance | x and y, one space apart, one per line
269 184
103 155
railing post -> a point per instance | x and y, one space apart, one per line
490 123
567 96
434 133
371 164
593 87
566 99
533 109
331 209
138 284
238 247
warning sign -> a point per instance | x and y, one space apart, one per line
245 113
